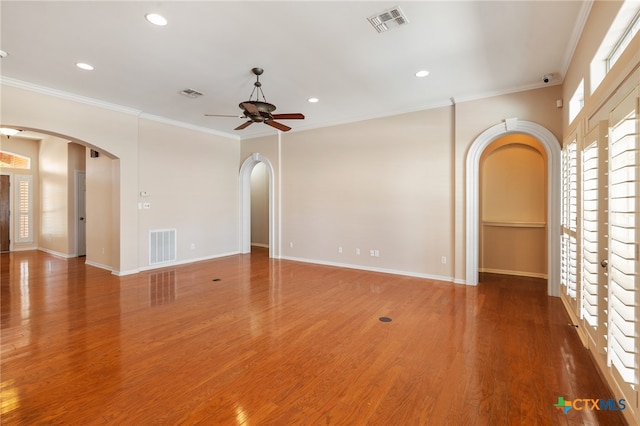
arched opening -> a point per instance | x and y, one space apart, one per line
513 213
552 150
245 202
60 205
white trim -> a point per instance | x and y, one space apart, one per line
372 269
118 273
106 105
552 148
176 123
18 178
11 197
56 253
105 267
514 273
245 203
578 27
66 95
182 262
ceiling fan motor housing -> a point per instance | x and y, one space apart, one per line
262 110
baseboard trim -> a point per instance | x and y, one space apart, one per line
57 253
370 269
184 262
514 273
101 266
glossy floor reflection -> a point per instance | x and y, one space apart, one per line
249 340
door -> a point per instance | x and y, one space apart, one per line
81 218
609 243
595 208
4 213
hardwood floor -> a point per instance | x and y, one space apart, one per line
255 341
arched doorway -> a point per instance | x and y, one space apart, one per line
552 149
62 163
245 202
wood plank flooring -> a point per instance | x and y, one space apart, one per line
248 340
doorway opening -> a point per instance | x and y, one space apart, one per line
513 213
259 206
257 199
552 150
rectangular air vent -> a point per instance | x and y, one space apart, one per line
162 246
388 19
190 93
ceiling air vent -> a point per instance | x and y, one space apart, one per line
190 93
388 19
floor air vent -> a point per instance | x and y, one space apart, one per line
162 246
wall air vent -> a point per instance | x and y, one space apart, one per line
388 19
162 246
190 93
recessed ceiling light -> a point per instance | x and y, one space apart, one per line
156 19
313 100
422 73
8 131
84 66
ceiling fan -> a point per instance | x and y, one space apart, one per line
260 111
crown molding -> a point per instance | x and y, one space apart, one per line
187 125
106 105
66 95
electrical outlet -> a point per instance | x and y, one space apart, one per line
291 244
193 246
443 260
340 249
358 251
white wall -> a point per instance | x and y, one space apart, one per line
191 179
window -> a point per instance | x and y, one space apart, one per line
576 103
624 27
15 161
24 217
624 41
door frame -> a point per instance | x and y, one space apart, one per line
78 212
11 223
245 203
552 148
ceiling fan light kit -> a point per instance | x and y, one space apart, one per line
261 111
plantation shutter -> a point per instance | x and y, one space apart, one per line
624 184
590 258
24 223
569 218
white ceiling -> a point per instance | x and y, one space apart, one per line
323 49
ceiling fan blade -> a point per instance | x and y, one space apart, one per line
292 116
243 125
277 125
251 108
221 115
